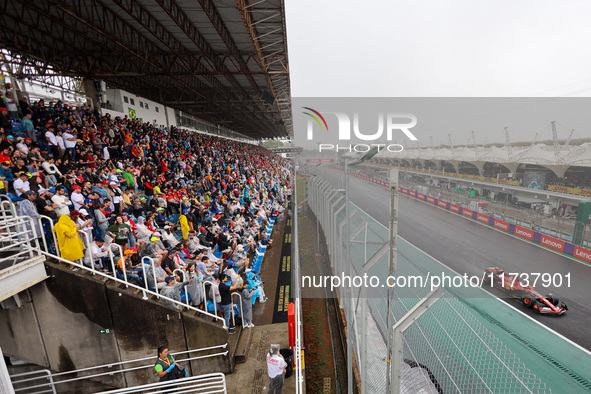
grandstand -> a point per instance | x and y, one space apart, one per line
132 179
562 161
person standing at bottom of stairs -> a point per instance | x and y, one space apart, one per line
276 370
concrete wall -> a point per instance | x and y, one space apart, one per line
117 99
60 328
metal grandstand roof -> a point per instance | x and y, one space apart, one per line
223 61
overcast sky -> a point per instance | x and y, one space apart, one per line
440 48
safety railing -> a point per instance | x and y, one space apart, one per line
113 258
46 219
210 383
7 207
298 370
17 236
41 381
239 309
44 381
128 284
183 276
215 306
211 293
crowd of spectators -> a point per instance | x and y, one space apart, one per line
189 201
577 181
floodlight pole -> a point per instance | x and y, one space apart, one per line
393 226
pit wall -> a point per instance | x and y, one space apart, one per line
577 252
64 324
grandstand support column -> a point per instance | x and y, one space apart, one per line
480 166
396 337
91 92
513 167
392 261
558 170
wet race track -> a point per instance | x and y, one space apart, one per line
469 247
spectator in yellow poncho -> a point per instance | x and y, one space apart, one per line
69 242
185 223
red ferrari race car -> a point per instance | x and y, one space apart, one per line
529 297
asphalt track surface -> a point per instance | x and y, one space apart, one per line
469 247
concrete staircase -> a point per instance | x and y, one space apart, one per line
242 344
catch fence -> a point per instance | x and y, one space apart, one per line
453 347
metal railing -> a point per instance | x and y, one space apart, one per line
17 231
40 380
44 381
239 309
7 207
129 284
297 296
17 236
215 304
202 384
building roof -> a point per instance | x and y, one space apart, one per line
225 62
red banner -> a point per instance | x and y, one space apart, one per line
421 196
404 190
524 232
442 203
413 193
501 225
454 208
552 243
431 200
583 254
482 218
467 212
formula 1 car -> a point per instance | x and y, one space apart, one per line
529 297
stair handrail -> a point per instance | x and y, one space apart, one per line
235 293
213 383
153 268
51 376
215 304
185 286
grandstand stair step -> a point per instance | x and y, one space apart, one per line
233 341
243 345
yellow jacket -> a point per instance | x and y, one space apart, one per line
70 244
184 226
